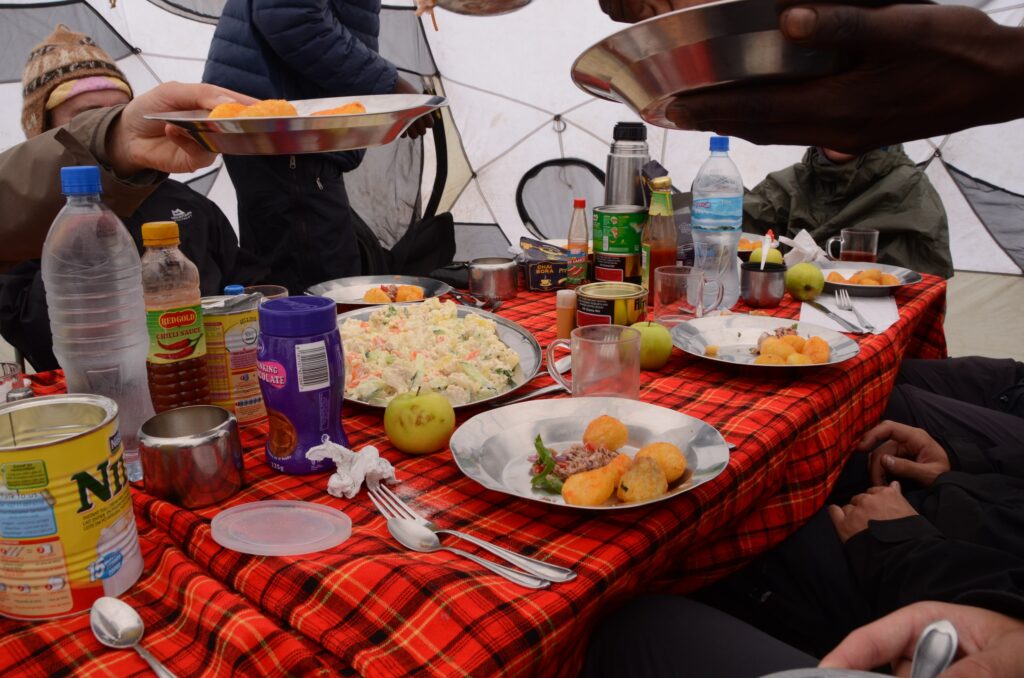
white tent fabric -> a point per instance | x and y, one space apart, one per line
514 105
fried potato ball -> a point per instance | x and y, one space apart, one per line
836 277
669 457
644 480
376 296
794 340
769 359
870 274
347 109
773 346
409 293
269 108
889 279
818 350
606 432
595 487
228 110
798 359
869 281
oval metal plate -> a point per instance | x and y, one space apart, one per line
350 291
736 334
493 447
848 268
513 335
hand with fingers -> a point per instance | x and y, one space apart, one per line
991 644
136 143
899 451
918 70
420 125
878 503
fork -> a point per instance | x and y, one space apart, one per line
539 568
845 303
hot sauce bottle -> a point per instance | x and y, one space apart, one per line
659 240
175 362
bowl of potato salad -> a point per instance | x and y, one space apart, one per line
468 355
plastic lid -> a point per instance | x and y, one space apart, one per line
80 180
159 233
661 183
579 203
565 299
298 316
719 144
629 131
232 290
280 528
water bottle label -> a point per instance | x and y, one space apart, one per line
175 334
718 209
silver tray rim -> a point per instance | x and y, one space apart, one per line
436 288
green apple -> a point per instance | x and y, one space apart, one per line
805 281
655 345
419 423
774 256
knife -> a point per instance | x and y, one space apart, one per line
838 318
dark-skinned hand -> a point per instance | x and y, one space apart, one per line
420 125
899 451
878 503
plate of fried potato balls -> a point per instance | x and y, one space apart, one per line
371 290
589 453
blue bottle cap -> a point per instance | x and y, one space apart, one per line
232 290
719 144
80 180
298 316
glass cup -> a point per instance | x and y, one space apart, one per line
855 244
268 291
605 361
679 294
10 378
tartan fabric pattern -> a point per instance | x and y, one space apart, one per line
373 608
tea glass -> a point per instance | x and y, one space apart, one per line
605 361
855 244
679 294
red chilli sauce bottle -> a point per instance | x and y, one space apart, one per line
175 363
302 378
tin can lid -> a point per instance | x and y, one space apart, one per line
298 316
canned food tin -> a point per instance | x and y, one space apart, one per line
618 268
610 303
232 328
67 531
617 229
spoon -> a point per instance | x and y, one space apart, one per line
934 650
418 538
116 624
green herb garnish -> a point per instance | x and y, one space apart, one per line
544 480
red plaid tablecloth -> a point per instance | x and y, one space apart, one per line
371 607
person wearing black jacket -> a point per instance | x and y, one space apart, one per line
207 239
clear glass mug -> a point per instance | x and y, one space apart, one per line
855 244
605 361
679 294
10 378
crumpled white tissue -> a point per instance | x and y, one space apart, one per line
352 468
804 249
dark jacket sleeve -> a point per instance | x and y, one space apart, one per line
238 266
971 457
898 562
24 320
307 36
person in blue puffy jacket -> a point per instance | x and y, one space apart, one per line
293 211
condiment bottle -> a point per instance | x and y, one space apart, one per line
175 364
565 313
658 242
302 378
579 244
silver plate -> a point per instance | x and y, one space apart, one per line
848 268
493 448
648 64
386 117
513 335
482 7
350 291
735 336
824 673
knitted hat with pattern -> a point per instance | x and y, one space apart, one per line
62 57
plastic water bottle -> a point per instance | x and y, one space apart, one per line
93 281
716 222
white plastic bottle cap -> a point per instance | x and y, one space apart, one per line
565 299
